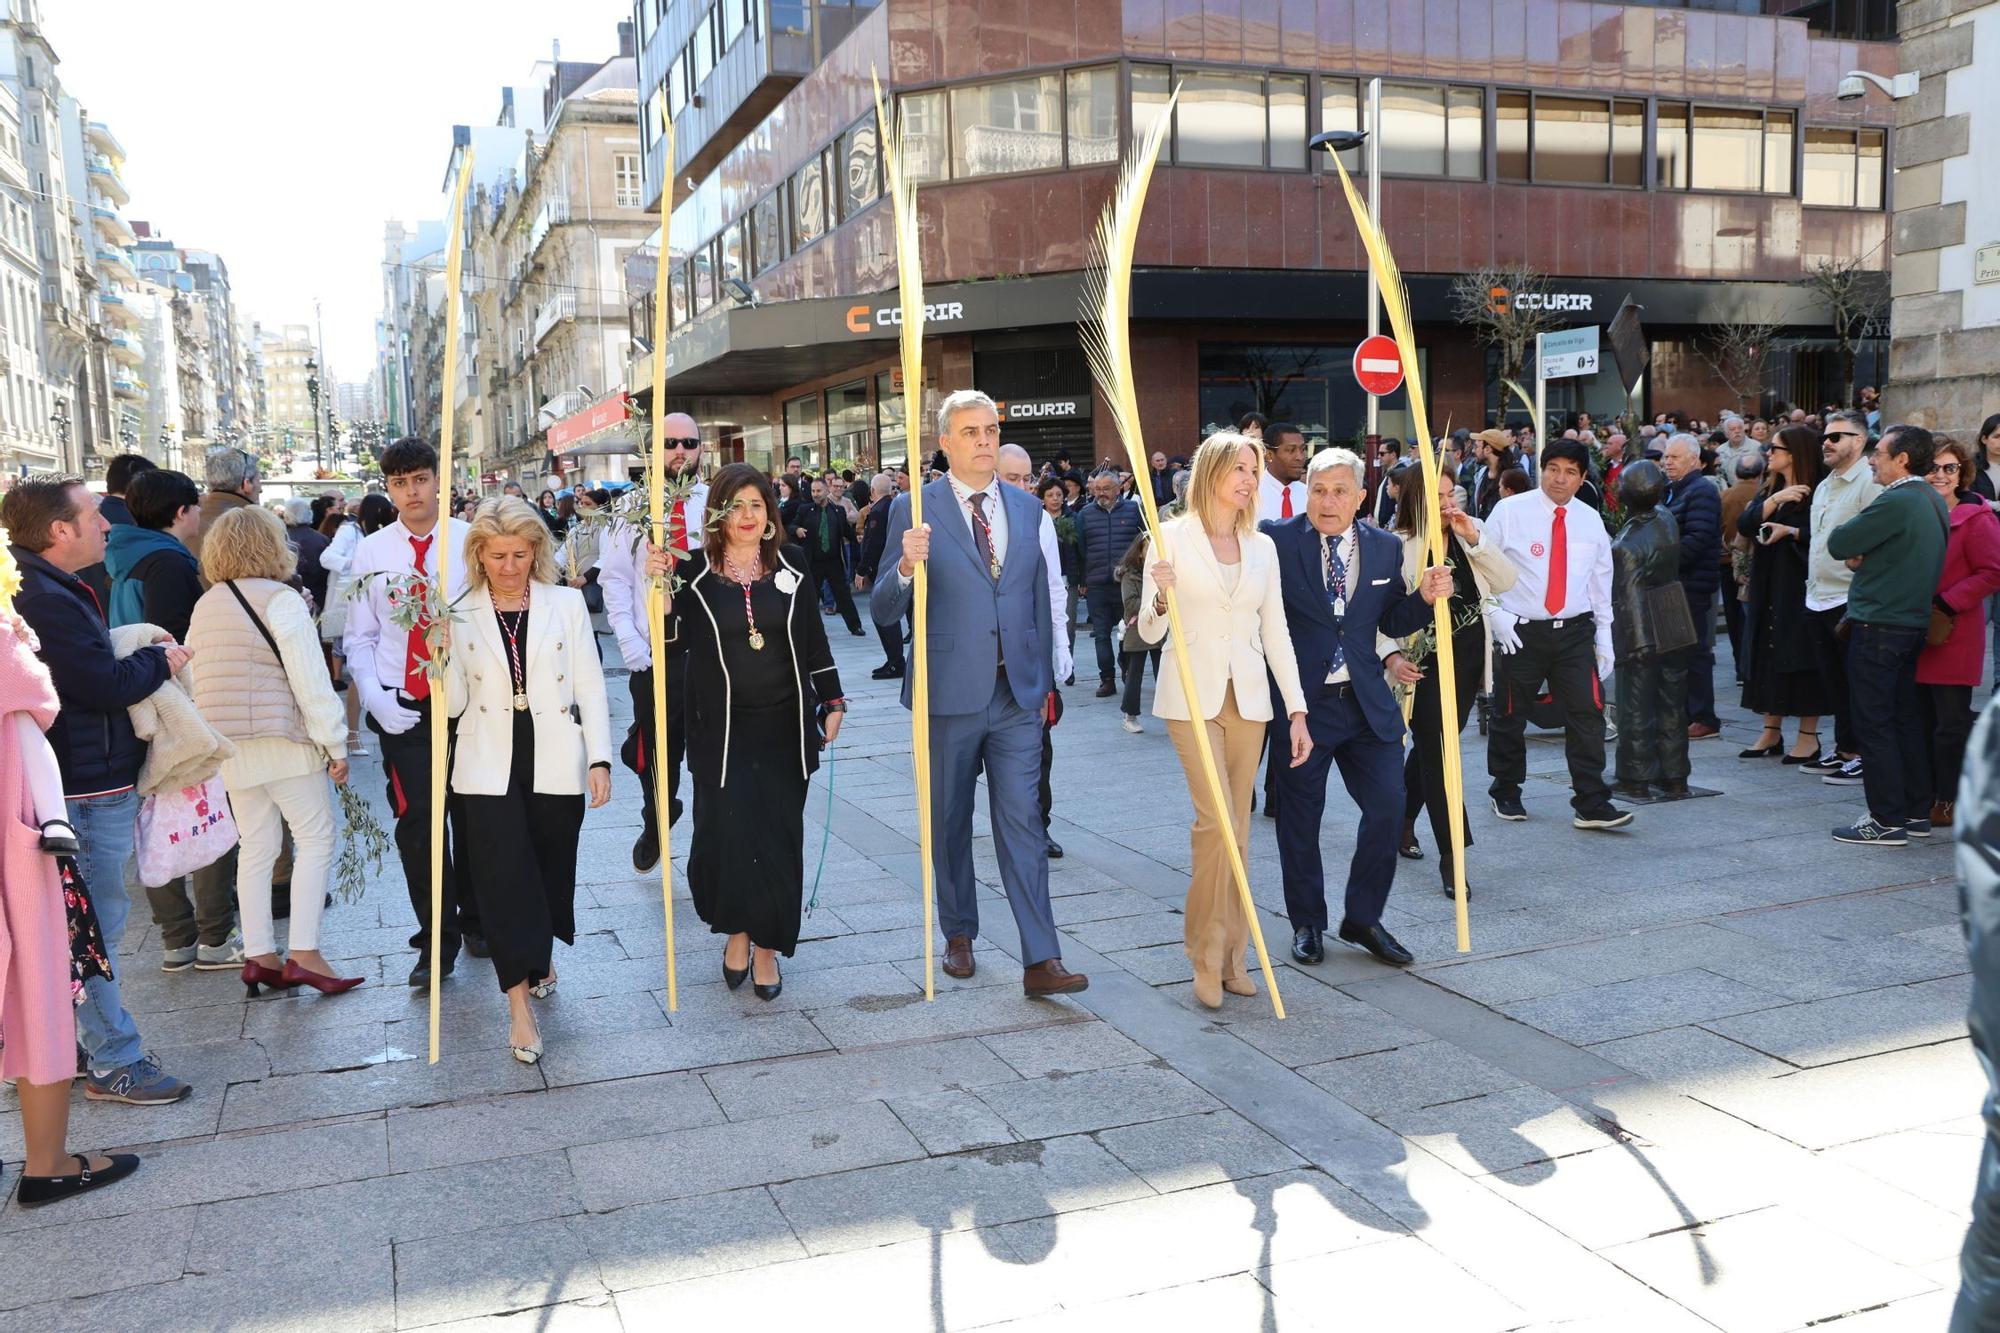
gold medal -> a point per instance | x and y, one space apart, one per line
520 702
757 638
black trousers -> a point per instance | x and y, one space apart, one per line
1134 665
1423 769
1732 616
641 685
1830 656
1566 658
830 575
406 763
1888 720
1948 719
1653 715
1107 608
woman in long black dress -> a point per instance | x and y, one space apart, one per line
761 690
1781 678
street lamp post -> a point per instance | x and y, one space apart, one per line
312 392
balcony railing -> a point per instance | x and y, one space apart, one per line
554 311
553 212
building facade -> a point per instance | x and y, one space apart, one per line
1699 162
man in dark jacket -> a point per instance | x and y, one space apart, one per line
232 483
57 530
1106 527
118 475
310 546
820 525
874 532
154 577
1696 506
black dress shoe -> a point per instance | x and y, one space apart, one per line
1054 848
36 1190
733 976
646 850
769 992
887 671
1306 946
1378 942
420 975
474 944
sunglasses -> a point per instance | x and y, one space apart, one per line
1949 469
673 442
1833 435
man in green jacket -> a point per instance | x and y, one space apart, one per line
1896 548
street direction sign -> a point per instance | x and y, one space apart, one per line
1569 352
1378 366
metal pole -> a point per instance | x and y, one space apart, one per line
1374 128
1541 403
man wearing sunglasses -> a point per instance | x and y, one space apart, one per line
1848 488
621 563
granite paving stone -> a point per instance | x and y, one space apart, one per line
648 1244
1644 1004
1845 1026
1095 1099
749 1092
1194 1150
1068 1049
987 1187
42 1265
513 1126
876 1020
493 1270
1500 1131
309 1294
1398 1283
1858 1099
950 1122
1408 1078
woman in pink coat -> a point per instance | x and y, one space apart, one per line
37 994
1947 672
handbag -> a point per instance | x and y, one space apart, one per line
182 831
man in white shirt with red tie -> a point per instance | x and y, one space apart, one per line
1281 495
1553 625
620 573
389 667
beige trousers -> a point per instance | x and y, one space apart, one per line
1216 930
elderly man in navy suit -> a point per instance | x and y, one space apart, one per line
990 631
1345 602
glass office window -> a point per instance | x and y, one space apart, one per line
1090 99
1510 136
1873 146
808 203
702 48
1412 129
1778 152
1339 104
926 147
1220 119
1465 134
677 83
1014 125
732 22
1628 143
677 296
803 434
791 18
889 427
1728 148
860 162
1151 85
1288 121
1670 145
850 437
1572 138
766 234
702 273
732 252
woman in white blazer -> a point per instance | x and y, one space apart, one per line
1480 573
534 734
1233 633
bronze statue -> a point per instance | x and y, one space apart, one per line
1651 633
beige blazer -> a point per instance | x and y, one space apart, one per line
563 672
1229 638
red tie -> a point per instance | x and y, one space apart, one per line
417 655
1285 510
1558 589
677 526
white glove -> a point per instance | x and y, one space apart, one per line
387 709
1605 662
1501 624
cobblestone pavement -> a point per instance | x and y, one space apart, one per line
1707 1072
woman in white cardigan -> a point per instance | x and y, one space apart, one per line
1233 630
260 679
1480 572
533 735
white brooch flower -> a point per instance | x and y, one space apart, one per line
786 581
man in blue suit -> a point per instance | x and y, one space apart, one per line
990 635
1343 586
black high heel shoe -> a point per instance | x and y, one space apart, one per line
769 992
733 976
1813 758
1764 751
59 839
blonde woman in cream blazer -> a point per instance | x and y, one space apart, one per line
1235 642
534 735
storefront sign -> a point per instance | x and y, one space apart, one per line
578 426
1986 263
1574 302
868 319
1046 409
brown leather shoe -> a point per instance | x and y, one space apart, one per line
958 957
1942 812
1051 978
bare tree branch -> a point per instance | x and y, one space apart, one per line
1499 304
1736 353
1857 298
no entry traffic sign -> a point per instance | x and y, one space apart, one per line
1378 367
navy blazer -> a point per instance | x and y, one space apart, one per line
1377 601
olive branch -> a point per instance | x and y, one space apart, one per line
414 598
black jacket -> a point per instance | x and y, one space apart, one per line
806 514
170 585
874 538
92 736
310 545
1697 509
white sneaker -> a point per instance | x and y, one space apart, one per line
224 957
1131 724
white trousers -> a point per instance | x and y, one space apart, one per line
262 812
